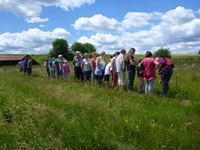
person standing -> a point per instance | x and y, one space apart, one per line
58 66
29 66
65 70
77 67
140 72
100 67
20 65
24 63
93 66
46 65
120 69
131 63
113 72
150 65
86 68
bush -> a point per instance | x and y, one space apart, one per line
162 52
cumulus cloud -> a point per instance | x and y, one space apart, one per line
134 20
98 23
32 41
30 8
177 30
178 16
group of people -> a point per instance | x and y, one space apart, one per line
25 65
57 68
95 69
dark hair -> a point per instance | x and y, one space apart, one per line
123 51
148 54
132 49
140 60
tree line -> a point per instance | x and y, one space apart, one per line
61 46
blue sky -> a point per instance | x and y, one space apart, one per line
30 27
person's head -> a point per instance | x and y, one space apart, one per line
65 61
60 56
78 53
131 51
94 55
102 54
148 54
85 55
116 54
123 51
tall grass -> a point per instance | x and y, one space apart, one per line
38 113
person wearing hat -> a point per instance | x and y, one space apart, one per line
150 65
77 67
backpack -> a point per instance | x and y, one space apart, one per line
169 62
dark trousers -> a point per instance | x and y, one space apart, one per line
166 75
79 73
87 75
131 77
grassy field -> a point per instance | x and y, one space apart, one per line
39 113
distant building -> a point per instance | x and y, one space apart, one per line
7 60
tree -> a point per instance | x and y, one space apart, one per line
90 47
60 46
162 52
83 48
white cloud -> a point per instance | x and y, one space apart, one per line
36 20
178 30
178 16
33 41
33 8
134 20
98 23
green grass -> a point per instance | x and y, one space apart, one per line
38 113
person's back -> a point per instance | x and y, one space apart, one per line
150 65
149 68
120 63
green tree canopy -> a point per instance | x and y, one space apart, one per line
83 48
60 46
162 52
90 47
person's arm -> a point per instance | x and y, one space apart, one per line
82 65
156 64
113 65
97 62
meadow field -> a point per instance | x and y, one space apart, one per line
40 113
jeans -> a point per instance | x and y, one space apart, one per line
131 77
166 75
149 87
87 75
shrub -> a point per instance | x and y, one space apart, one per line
162 52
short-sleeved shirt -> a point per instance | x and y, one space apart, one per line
163 65
77 61
149 68
86 65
